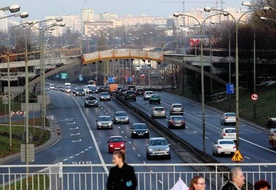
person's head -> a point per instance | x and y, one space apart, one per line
197 183
118 158
237 177
262 185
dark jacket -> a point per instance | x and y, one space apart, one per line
121 178
229 185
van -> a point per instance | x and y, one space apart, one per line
67 84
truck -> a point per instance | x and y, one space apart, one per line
113 87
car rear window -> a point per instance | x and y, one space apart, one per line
230 131
177 106
227 142
177 118
231 115
117 139
159 109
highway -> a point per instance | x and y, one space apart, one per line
253 142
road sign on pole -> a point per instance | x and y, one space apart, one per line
229 88
237 157
254 97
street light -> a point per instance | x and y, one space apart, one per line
208 9
13 8
202 72
22 15
41 37
9 84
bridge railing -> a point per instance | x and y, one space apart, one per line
85 175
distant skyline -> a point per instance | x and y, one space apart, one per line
38 9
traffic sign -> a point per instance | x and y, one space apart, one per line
237 157
229 88
254 97
63 75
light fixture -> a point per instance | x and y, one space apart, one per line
13 8
207 9
176 15
263 18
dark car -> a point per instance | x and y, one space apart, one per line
131 87
176 121
79 92
154 98
92 90
139 130
271 123
122 92
139 91
91 101
130 95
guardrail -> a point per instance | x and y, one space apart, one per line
87 176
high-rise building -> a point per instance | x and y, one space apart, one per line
3 22
87 15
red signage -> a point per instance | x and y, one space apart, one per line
254 97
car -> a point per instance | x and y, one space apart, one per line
131 87
176 121
224 146
154 98
103 89
147 94
92 89
105 96
158 147
104 122
139 130
176 108
158 112
122 92
120 117
139 91
67 89
79 92
117 91
130 95
116 143
228 118
228 133
91 101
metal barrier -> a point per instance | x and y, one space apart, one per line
149 176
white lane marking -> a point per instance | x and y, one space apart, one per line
122 132
129 142
138 155
247 157
73 123
76 141
195 132
93 138
77 154
75 128
206 137
75 134
133 148
160 181
144 162
71 157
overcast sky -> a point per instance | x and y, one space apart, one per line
38 9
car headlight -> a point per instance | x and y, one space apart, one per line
146 132
134 131
122 145
110 123
111 145
151 150
167 149
99 124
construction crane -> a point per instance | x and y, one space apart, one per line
184 2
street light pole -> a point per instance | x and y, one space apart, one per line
25 15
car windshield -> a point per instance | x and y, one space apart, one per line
226 142
230 131
120 114
140 127
177 118
158 142
159 109
116 139
231 114
106 118
177 106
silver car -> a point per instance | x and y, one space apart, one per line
120 117
147 95
177 108
158 112
104 96
104 122
228 118
158 147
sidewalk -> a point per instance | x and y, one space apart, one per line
54 137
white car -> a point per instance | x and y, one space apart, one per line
228 133
158 111
147 94
224 146
228 118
